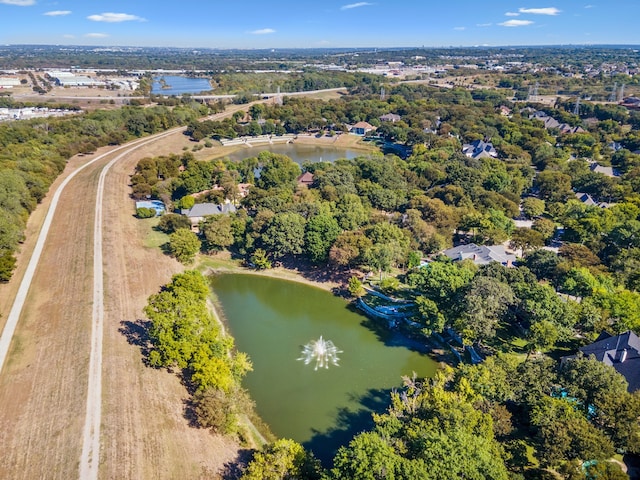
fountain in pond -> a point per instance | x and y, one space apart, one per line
323 352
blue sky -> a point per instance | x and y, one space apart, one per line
325 23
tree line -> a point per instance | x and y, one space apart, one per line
34 152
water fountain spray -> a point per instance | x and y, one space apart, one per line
323 352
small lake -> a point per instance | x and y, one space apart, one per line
272 319
178 85
299 152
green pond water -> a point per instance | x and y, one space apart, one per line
272 319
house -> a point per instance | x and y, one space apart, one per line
200 210
588 200
361 128
390 117
607 171
481 254
550 122
622 352
479 149
305 179
565 128
504 110
631 102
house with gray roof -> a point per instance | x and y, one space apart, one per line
588 200
621 352
390 117
479 149
200 210
481 254
607 171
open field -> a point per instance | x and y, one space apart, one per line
44 382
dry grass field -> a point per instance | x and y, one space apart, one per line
44 382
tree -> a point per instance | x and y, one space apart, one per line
430 317
485 303
7 264
554 186
428 433
219 410
350 213
355 287
284 235
546 227
260 260
170 222
144 212
349 249
564 434
283 459
277 171
320 233
543 264
591 381
542 335
381 256
217 230
184 245
526 239
533 207
440 281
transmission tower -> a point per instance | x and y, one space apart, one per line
278 97
383 93
614 96
621 93
576 109
535 89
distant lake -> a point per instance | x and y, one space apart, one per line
299 152
178 85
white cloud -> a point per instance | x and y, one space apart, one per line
114 17
483 24
263 31
96 35
540 11
459 28
57 13
516 23
512 14
68 35
19 3
588 6
355 5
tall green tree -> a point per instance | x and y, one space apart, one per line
284 235
320 233
184 245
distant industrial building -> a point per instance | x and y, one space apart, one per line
68 79
9 82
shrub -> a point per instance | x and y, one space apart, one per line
144 212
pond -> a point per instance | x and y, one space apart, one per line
299 152
273 319
177 85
